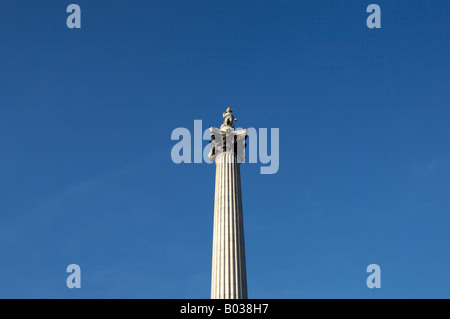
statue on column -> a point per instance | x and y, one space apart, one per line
229 119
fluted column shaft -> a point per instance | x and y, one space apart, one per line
229 278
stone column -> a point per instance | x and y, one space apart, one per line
229 278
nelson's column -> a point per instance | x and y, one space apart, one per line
229 278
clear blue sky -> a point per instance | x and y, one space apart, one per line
86 175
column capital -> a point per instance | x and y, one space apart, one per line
227 140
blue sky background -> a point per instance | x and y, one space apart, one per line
86 175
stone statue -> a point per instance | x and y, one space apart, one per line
229 119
